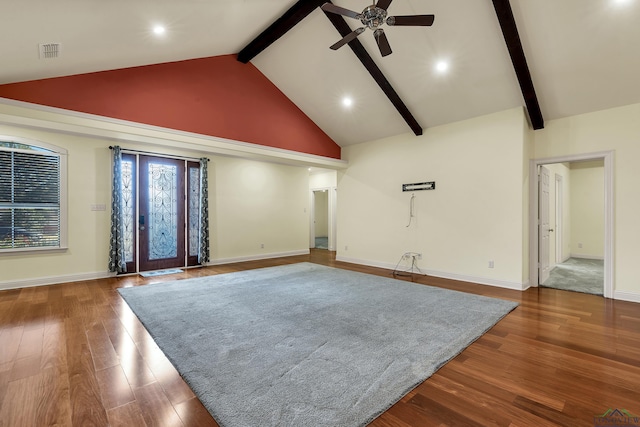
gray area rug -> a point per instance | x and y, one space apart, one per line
578 275
305 344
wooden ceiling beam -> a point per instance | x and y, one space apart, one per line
514 45
300 10
364 57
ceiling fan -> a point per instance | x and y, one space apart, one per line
374 17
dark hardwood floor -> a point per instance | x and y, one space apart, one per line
75 355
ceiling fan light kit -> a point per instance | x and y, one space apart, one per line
373 17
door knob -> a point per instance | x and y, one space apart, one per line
551 229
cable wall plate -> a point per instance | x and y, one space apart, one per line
419 186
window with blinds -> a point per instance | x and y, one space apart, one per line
30 197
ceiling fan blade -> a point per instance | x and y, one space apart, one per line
383 43
412 20
330 7
384 4
352 35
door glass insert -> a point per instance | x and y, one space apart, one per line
128 209
194 210
163 215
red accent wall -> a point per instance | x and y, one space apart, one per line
216 96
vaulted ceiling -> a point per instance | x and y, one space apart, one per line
581 55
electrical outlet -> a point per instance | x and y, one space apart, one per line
261 245
580 245
490 264
346 248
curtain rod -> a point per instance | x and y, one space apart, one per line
159 154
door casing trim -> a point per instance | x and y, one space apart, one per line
608 157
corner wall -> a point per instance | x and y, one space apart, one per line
475 215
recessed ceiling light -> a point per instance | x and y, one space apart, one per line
159 30
442 67
347 101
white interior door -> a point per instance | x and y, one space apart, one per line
559 228
543 225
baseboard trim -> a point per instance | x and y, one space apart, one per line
626 296
516 286
53 280
453 276
368 263
221 261
599 257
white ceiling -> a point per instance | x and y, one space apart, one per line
583 54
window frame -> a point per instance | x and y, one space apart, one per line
62 154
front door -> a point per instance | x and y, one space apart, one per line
161 213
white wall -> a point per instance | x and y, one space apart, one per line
251 203
323 180
615 129
476 214
587 209
254 204
527 155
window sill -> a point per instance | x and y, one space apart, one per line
30 251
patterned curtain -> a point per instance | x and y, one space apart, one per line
203 252
117 261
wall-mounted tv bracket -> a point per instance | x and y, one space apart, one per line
431 185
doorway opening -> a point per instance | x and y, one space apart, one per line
571 223
322 219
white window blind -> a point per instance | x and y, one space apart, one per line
30 208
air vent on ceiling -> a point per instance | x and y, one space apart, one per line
49 50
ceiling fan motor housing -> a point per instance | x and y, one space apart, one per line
373 17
